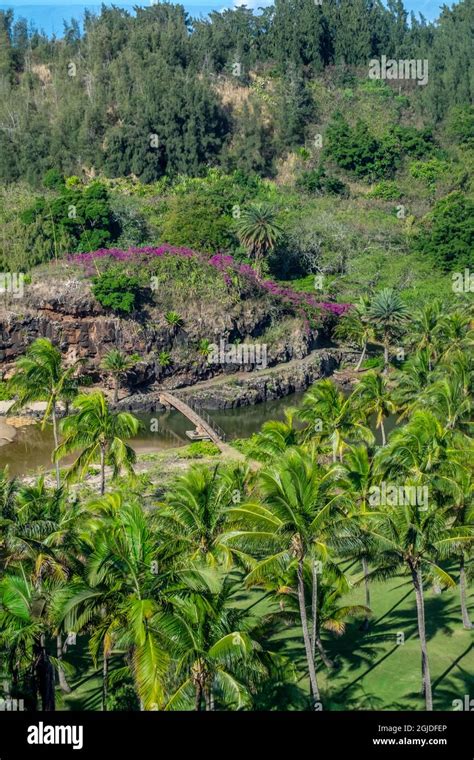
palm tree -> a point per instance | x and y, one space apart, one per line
374 396
332 418
388 315
212 640
296 521
192 519
423 330
455 334
356 327
275 437
41 376
100 434
417 540
411 381
117 364
422 454
259 231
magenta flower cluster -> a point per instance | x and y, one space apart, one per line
223 263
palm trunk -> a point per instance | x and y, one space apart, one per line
105 681
116 390
198 698
44 672
382 430
307 641
314 609
420 608
102 470
207 698
56 441
466 620
365 569
386 356
362 357
61 676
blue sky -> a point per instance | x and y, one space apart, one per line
49 14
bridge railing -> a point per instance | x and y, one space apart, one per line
207 418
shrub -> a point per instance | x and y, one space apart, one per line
117 290
447 232
356 149
428 171
198 450
316 181
386 191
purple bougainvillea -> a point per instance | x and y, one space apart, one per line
224 263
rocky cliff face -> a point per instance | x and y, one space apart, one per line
67 314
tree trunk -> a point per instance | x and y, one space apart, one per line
420 608
314 609
307 641
102 470
56 442
365 568
322 653
44 672
466 620
116 390
362 357
105 681
386 356
382 430
61 676
198 697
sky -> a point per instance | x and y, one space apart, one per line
49 14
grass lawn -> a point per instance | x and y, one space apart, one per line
373 671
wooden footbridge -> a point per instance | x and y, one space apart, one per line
205 426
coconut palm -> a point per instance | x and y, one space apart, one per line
450 401
455 334
388 315
101 434
417 540
332 418
192 519
212 640
41 376
424 326
374 396
356 327
296 521
117 364
259 231
275 437
411 381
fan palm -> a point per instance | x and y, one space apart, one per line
100 434
117 364
388 315
259 231
41 376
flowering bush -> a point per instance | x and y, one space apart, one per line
225 264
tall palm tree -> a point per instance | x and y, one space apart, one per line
275 437
411 381
374 396
295 522
117 364
388 315
333 418
356 327
417 540
259 231
455 334
41 376
101 434
423 330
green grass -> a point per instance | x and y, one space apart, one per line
373 671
